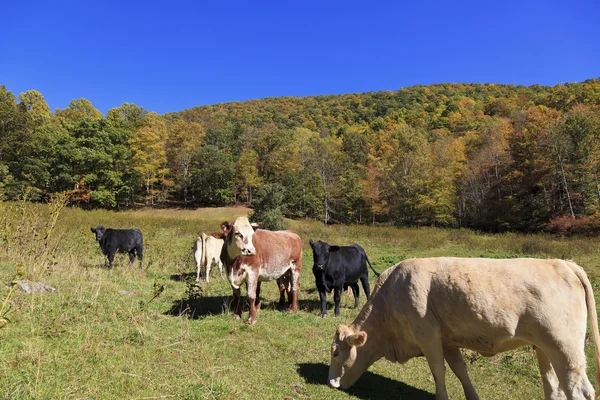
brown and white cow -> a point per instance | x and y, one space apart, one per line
253 255
432 307
207 251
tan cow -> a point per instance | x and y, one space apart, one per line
253 255
207 251
432 307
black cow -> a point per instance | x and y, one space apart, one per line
119 240
337 267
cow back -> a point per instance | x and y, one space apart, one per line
275 247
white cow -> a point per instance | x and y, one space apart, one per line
432 307
207 251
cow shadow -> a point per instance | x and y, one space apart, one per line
200 307
96 266
369 386
310 291
184 276
306 305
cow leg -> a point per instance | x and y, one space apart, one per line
208 264
354 287
111 258
364 280
252 286
294 290
337 295
237 303
552 389
457 365
257 301
323 297
282 290
139 251
198 272
220 268
430 342
569 366
131 256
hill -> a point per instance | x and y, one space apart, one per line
488 156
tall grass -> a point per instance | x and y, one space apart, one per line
147 332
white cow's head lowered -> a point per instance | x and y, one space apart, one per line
239 237
346 365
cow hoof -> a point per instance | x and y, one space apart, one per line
323 315
236 316
251 322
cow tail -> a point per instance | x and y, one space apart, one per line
592 315
369 262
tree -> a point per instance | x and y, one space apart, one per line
212 175
183 140
372 193
268 208
324 159
36 105
79 109
127 116
149 157
246 175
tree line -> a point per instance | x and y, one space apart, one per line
485 156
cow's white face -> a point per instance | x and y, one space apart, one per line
240 239
345 368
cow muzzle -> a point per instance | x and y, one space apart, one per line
334 383
249 252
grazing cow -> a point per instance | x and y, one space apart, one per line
432 307
337 268
253 255
207 251
119 240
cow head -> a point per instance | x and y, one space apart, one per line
239 237
99 231
320 253
346 364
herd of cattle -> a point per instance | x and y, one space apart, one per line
427 307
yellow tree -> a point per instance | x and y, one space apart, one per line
183 140
36 106
149 156
79 109
246 174
372 192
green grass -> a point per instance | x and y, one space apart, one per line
90 341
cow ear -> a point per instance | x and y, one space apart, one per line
256 225
218 235
93 230
356 339
226 226
310 241
341 331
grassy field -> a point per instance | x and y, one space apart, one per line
143 333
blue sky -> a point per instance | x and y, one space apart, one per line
169 56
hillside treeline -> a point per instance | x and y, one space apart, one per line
486 156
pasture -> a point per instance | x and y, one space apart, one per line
152 333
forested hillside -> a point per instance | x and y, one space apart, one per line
487 156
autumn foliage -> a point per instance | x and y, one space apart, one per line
486 156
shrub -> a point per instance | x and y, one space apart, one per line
565 225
